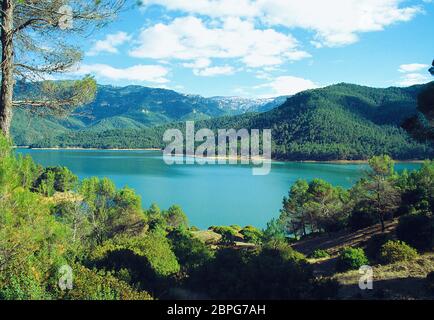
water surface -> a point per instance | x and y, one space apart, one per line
209 194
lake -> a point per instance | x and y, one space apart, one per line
209 194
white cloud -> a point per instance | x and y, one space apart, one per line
287 85
412 67
412 74
109 44
198 64
191 40
411 79
211 8
335 22
137 73
262 75
214 71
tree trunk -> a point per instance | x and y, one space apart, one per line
7 65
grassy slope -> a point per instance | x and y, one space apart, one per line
402 280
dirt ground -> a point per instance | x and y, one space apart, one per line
402 280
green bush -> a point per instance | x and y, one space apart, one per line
350 259
416 230
270 273
319 254
100 285
395 251
252 235
190 251
275 230
236 227
22 287
229 234
374 244
53 179
175 218
285 251
148 259
153 247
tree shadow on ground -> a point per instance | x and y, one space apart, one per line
410 288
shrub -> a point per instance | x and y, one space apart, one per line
374 244
32 245
27 170
55 179
395 251
236 227
100 285
75 216
252 235
175 218
274 231
285 251
152 247
319 254
271 273
229 235
190 251
22 287
351 258
416 230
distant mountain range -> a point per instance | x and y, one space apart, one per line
342 121
238 105
134 107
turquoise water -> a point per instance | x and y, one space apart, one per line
209 194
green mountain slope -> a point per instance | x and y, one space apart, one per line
344 122
131 107
338 122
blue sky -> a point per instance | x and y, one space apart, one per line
263 48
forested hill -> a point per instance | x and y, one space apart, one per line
342 121
130 107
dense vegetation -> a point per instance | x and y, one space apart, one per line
317 206
117 250
130 108
337 122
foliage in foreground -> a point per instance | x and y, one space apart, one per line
271 273
100 285
319 254
118 250
380 195
395 251
350 259
417 230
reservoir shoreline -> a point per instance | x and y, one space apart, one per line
338 161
